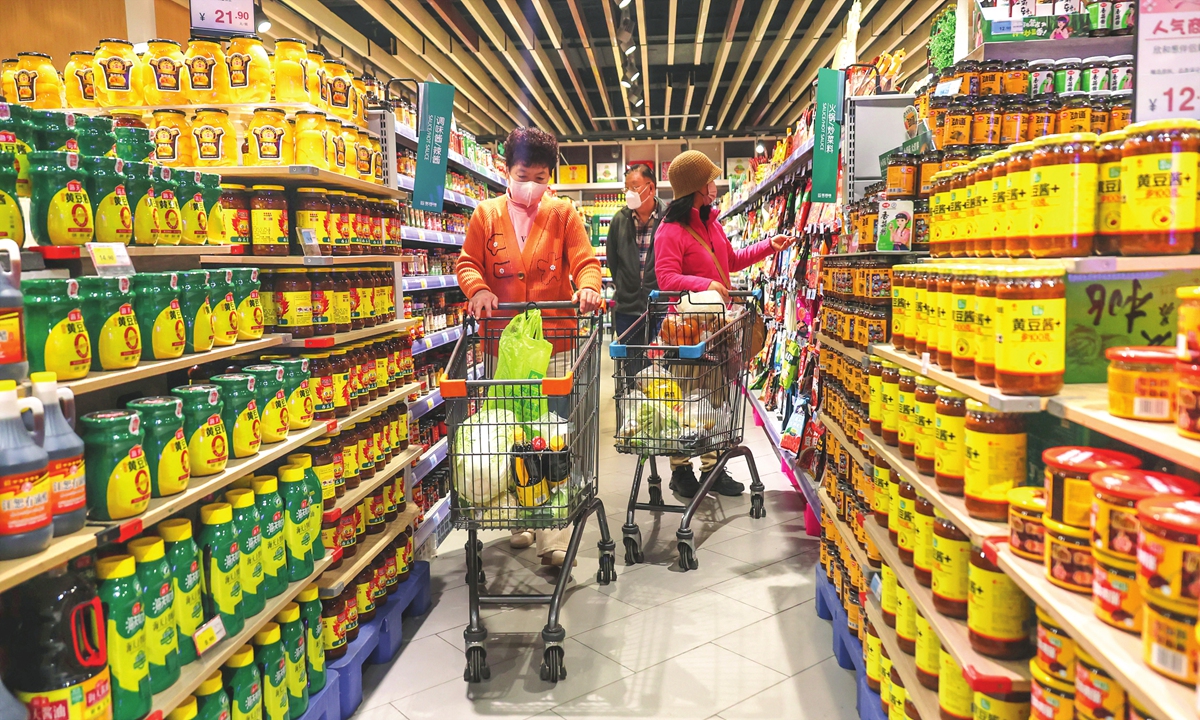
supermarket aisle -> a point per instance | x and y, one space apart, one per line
738 638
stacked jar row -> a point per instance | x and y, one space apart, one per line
1003 325
1131 192
865 280
854 324
313 303
270 221
350 376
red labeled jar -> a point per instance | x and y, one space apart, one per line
1068 480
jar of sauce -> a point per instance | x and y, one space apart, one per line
994 461
986 121
269 220
906 621
235 211
1020 216
293 302
951 557
998 613
1041 78
1101 111
991 77
902 176
1063 198
1043 118
929 164
1155 155
923 556
925 420
928 650
921 225
1016 78
333 626
1027 533
906 528
917 332
1030 330
1068 485
894 508
880 495
906 407
938 107
962 325
1120 109
954 694
1142 383
311 208
889 398
1014 125
945 318
950 413
341 221
959 116
1108 192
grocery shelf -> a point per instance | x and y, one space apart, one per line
431 237
406 133
793 162
787 461
852 446
426 403
952 507
304 260
434 517
1120 653
332 583
152 368
296 175
970 388
923 698
395 396
199 670
1100 264
437 339
1080 46
462 162
1087 405
430 459
984 674
858 356
62 549
428 282
879 254
74 252
847 533
393 467
406 183
337 339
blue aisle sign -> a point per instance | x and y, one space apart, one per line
827 134
436 105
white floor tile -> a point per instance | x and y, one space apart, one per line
769 545
775 587
790 642
582 609
421 664
688 686
822 692
662 581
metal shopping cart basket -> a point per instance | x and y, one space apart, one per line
678 394
524 455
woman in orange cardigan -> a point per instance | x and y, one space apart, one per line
526 246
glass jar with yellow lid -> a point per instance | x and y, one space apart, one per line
310 139
37 83
311 208
937 213
207 76
360 102
341 88
171 134
315 79
1108 192
376 161
117 73
268 137
291 71
1159 166
249 69
349 136
957 212
215 138
163 69
1017 184
1030 329
79 80
362 148
1063 173
998 191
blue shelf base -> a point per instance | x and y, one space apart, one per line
379 640
326 704
847 649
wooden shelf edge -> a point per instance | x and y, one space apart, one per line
1120 653
847 533
196 672
300 260
953 507
970 388
337 339
951 631
393 468
925 699
857 355
851 446
332 583
61 549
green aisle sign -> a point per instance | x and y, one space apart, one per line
828 135
437 112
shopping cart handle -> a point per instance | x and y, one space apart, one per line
657 294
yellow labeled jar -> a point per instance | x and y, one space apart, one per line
1000 706
1068 557
1050 698
998 613
291 71
1158 171
906 621
1063 173
1026 533
311 139
249 69
1068 486
341 89
163 71
207 77
1114 505
1030 326
994 459
117 73
887 595
171 134
954 693
1169 640
1116 598
215 138
1141 382
1097 695
315 79
79 80
1169 553
269 138
1055 649
349 150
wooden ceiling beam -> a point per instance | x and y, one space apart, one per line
726 46
748 53
671 19
618 57
701 27
528 37
458 24
828 11
644 50
905 26
586 37
774 52
550 24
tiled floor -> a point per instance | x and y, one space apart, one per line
737 638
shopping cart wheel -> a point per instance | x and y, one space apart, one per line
656 492
633 551
687 556
552 664
608 569
756 506
477 667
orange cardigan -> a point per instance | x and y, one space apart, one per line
557 250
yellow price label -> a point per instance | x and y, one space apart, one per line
424 283
104 256
429 403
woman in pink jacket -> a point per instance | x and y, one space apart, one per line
691 253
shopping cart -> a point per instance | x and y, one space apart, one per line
503 478
681 396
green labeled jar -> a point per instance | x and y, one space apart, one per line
166 189
111 322
210 191
270 514
197 312
221 572
60 211
187 710
158 602
240 413
55 130
12 217
133 144
272 403
248 303
140 194
94 135
193 216
55 334
249 532
297 525
315 499
292 630
271 659
118 477
244 685
208 442
160 317
297 388
212 702
183 556
16 137
111 214
125 620
164 443
224 308
310 615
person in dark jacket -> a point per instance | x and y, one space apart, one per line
631 249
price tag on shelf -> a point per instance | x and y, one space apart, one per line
209 634
222 17
429 403
308 243
110 259
1167 84
424 283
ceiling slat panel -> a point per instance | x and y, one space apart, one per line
701 26
751 50
617 57
774 54
731 23
528 38
586 39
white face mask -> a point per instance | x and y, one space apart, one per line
527 192
633 199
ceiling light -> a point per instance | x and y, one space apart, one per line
264 25
622 4
759 149
626 84
630 50
641 126
635 76
708 127
640 102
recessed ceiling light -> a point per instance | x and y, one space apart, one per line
708 127
264 25
631 50
635 76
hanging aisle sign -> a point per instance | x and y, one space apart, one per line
436 105
1167 83
222 17
827 136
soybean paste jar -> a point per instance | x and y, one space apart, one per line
890 386
999 613
323 290
165 444
118 475
235 212
293 302
1101 111
994 462
298 390
56 337
1063 198
208 441
1030 330
341 221
902 176
949 430
1158 168
311 208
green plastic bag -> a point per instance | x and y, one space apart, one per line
523 355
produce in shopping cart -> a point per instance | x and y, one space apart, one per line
656 382
481 446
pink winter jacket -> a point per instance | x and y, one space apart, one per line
683 264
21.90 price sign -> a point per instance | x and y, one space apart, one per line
1167 81
223 17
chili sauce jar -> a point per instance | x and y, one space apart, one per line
1026 531
1068 486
